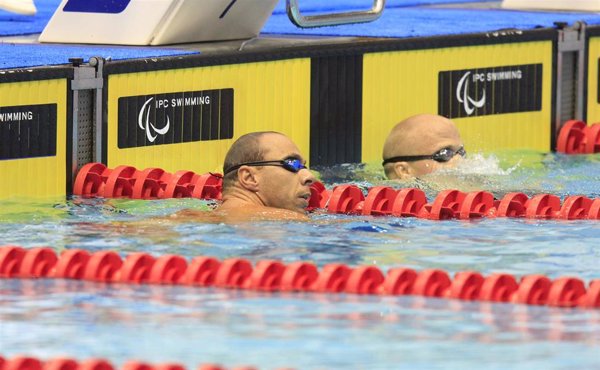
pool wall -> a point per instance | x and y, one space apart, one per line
593 67
337 99
35 131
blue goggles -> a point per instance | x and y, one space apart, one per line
442 155
291 164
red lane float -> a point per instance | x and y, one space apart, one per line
477 204
37 262
592 134
136 268
594 211
575 208
319 196
119 184
202 271
91 179
23 363
266 276
233 273
365 280
379 201
271 276
346 199
571 138
71 264
466 285
95 179
498 288
147 184
542 206
566 292
168 269
178 185
576 137
399 281
332 278
10 261
446 205
63 363
512 205
102 266
408 202
299 276
207 186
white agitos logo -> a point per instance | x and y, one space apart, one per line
144 123
462 95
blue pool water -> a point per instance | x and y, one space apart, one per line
50 318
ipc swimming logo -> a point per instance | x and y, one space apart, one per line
462 95
144 123
477 92
175 117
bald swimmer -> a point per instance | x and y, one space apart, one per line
420 145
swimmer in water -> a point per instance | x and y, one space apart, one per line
264 178
420 145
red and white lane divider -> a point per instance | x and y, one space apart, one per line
270 275
32 363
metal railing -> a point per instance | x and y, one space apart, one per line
333 19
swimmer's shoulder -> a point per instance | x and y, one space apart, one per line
185 215
240 213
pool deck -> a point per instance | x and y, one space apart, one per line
400 20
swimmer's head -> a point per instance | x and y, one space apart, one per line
420 145
269 168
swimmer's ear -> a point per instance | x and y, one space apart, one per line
403 170
247 177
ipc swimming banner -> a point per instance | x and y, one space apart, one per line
175 118
28 131
487 91
35 133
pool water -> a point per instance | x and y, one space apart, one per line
51 318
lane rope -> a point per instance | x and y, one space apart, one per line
576 137
65 363
96 180
274 276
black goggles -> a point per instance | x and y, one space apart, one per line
442 155
291 164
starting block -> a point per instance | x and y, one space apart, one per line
573 5
155 22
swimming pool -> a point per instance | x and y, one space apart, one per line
50 318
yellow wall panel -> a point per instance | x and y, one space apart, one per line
593 107
267 96
39 176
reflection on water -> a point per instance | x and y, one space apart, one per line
48 318
160 323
